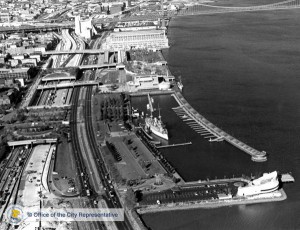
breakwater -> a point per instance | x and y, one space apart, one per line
257 156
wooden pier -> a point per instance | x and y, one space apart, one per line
173 145
205 128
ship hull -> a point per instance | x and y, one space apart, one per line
159 134
155 131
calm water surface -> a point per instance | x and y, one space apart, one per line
242 72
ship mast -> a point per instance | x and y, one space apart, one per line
150 105
159 117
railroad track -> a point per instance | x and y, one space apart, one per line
83 177
4 178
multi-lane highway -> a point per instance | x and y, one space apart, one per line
86 189
100 171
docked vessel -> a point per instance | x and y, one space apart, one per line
135 113
266 184
156 126
146 133
179 84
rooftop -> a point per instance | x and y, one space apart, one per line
140 32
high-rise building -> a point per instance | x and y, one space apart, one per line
77 25
83 28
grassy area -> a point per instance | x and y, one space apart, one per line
144 55
145 68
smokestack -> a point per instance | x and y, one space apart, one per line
163 23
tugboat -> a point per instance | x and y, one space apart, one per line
156 126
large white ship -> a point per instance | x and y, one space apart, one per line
266 184
156 126
153 124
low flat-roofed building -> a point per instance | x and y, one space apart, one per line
14 63
24 50
15 73
147 39
136 25
145 82
18 57
134 28
36 56
29 62
223 196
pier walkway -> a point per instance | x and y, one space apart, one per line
173 145
201 125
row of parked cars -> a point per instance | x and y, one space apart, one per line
112 148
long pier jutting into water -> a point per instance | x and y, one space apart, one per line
192 114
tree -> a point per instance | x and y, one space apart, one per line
20 116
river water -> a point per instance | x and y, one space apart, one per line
242 72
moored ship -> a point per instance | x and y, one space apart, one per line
153 124
179 84
266 184
156 126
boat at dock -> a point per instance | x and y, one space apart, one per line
156 126
179 84
146 133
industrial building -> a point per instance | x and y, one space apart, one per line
26 50
144 39
150 82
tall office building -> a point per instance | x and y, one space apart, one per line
83 28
